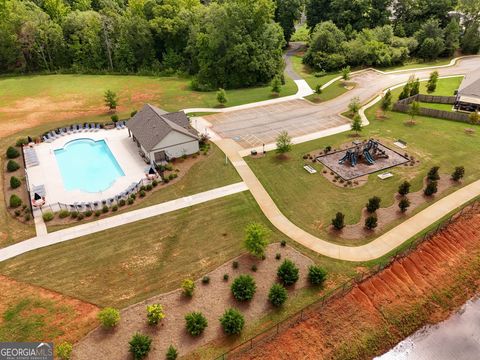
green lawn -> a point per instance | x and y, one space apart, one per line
308 74
311 201
332 91
436 106
418 63
130 263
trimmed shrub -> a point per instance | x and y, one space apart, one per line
63 214
277 295
371 222
172 353
254 268
456 175
15 201
316 275
15 182
188 286
195 323
278 256
433 174
338 221
404 204
149 187
154 183
17 212
232 321
243 288
121 202
155 314
80 216
114 118
133 196
12 166
140 346
109 317
26 217
404 188
283 243
64 351
235 264
97 213
12 153
74 214
105 209
431 188
225 277
115 207
373 204
48 216
288 272
142 193
21 142
130 201
88 213
206 279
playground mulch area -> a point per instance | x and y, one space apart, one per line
347 172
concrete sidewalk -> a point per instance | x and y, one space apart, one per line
373 250
118 220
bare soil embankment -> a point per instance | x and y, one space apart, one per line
422 288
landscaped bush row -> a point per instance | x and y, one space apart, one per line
373 204
243 289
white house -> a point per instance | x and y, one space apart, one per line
161 136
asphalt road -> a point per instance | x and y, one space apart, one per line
260 125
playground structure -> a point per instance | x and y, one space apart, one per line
368 151
361 158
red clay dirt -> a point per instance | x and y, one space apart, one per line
73 318
424 287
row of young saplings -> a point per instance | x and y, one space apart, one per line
232 321
373 204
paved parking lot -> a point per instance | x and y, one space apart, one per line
261 125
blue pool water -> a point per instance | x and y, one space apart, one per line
87 165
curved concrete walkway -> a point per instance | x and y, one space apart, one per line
373 250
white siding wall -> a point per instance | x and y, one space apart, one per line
176 144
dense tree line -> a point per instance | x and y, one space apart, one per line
386 32
227 43
223 43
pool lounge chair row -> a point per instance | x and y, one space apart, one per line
120 125
55 134
31 158
97 205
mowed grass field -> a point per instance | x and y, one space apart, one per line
311 201
331 92
28 101
130 263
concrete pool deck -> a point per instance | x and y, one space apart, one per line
47 173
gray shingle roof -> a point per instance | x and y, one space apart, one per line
151 125
470 85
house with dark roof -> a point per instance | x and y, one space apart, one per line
161 136
468 95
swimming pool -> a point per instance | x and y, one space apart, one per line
87 165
